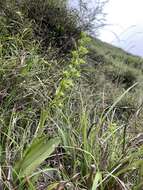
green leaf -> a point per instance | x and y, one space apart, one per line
97 179
53 186
39 150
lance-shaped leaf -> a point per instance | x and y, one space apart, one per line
39 150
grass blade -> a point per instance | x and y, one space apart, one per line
97 179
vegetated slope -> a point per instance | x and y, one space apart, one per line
93 121
109 72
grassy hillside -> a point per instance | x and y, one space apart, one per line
110 71
70 110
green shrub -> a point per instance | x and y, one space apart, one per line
53 23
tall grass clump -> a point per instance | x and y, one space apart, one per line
100 151
30 87
22 100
